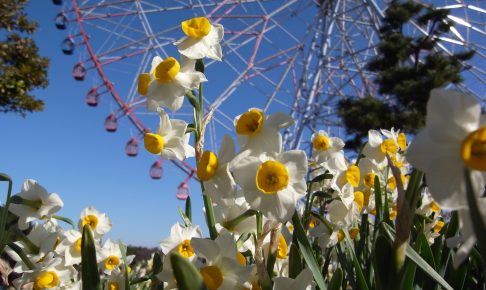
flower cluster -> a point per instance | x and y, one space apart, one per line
48 255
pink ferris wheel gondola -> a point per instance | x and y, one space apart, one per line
297 56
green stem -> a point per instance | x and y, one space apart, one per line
230 225
259 221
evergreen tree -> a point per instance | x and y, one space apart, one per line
21 67
408 68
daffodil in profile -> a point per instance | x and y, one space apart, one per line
34 202
168 81
274 183
171 140
214 171
376 148
202 39
454 138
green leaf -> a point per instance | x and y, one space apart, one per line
478 223
419 261
295 261
4 214
157 264
382 261
307 253
89 270
192 99
188 209
5 177
360 279
186 220
123 250
64 219
322 177
199 65
337 280
378 199
18 250
186 275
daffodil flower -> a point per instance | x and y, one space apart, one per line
376 148
222 269
50 273
274 183
303 281
258 133
99 223
35 203
168 81
202 39
70 247
214 171
452 140
171 140
324 147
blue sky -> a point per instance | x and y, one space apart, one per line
66 149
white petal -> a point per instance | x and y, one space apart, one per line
174 149
227 150
374 138
451 115
279 120
245 172
206 248
190 80
165 126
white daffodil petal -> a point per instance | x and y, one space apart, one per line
279 120
451 115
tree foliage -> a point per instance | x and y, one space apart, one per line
21 67
408 67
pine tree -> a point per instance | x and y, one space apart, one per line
21 67
408 68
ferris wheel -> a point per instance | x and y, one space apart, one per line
296 56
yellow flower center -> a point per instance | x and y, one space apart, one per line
111 262
352 175
112 285
369 180
393 213
241 259
359 199
353 233
392 182
143 84
197 27
77 245
250 123
402 141
207 166
167 70
212 276
312 223
154 143
282 247
90 220
271 176
321 143
185 249
388 147
397 163
438 226
341 235
367 194
47 279
473 150
434 207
